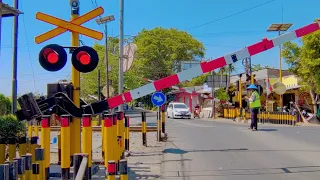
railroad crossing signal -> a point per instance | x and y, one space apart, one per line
54 57
73 25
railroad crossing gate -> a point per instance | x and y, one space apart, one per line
74 25
53 57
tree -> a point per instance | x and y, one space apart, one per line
226 70
304 62
257 67
160 51
5 105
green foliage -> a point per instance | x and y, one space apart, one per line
5 105
198 81
222 94
257 67
11 127
304 60
161 50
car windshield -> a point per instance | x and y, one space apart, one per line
180 106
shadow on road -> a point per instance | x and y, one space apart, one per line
267 130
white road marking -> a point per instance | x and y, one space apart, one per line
190 124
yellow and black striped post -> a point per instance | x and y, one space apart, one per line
87 140
22 146
127 133
12 148
158 124
65 147
163 119
115 144
59 148
35 171
123 169
102 135
40 161
45 143
4 171
111 170
107 126
144 128
21 167
28 166
120 132
36 127
33 146
2 150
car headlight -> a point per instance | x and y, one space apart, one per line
188 113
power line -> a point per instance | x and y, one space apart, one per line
25 31
231 15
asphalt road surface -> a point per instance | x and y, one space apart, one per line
199 149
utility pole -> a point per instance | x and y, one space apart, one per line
14 60
106 59
121 52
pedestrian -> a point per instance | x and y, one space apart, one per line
255 104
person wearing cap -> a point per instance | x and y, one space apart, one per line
255 104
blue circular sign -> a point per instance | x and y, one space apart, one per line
158 99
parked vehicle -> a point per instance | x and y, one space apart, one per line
178 110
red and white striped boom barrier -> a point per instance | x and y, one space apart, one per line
209 66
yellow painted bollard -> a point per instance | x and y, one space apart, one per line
40 161
163 119
59 148
120 132
2 150
65 147
35 171
28 166
87 140
22 146
123 169
224 113
127 133
12 148
111 170
45 143
144 128
102 135
115 148
107 126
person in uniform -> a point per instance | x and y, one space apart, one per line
255 104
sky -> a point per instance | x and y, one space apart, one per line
223 27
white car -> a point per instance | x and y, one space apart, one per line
178 110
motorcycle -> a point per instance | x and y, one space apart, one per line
196 113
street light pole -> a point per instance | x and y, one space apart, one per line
279 28
106 59
120 88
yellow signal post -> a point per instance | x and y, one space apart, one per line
75 125
22 145
120 132
102 135
163 119
115 139
39 153
87 140
127 133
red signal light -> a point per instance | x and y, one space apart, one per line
52 57
85 59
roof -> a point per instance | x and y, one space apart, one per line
7 11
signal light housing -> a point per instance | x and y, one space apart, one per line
85 59
53 57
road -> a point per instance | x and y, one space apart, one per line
207 150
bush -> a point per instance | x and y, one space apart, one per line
11 127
